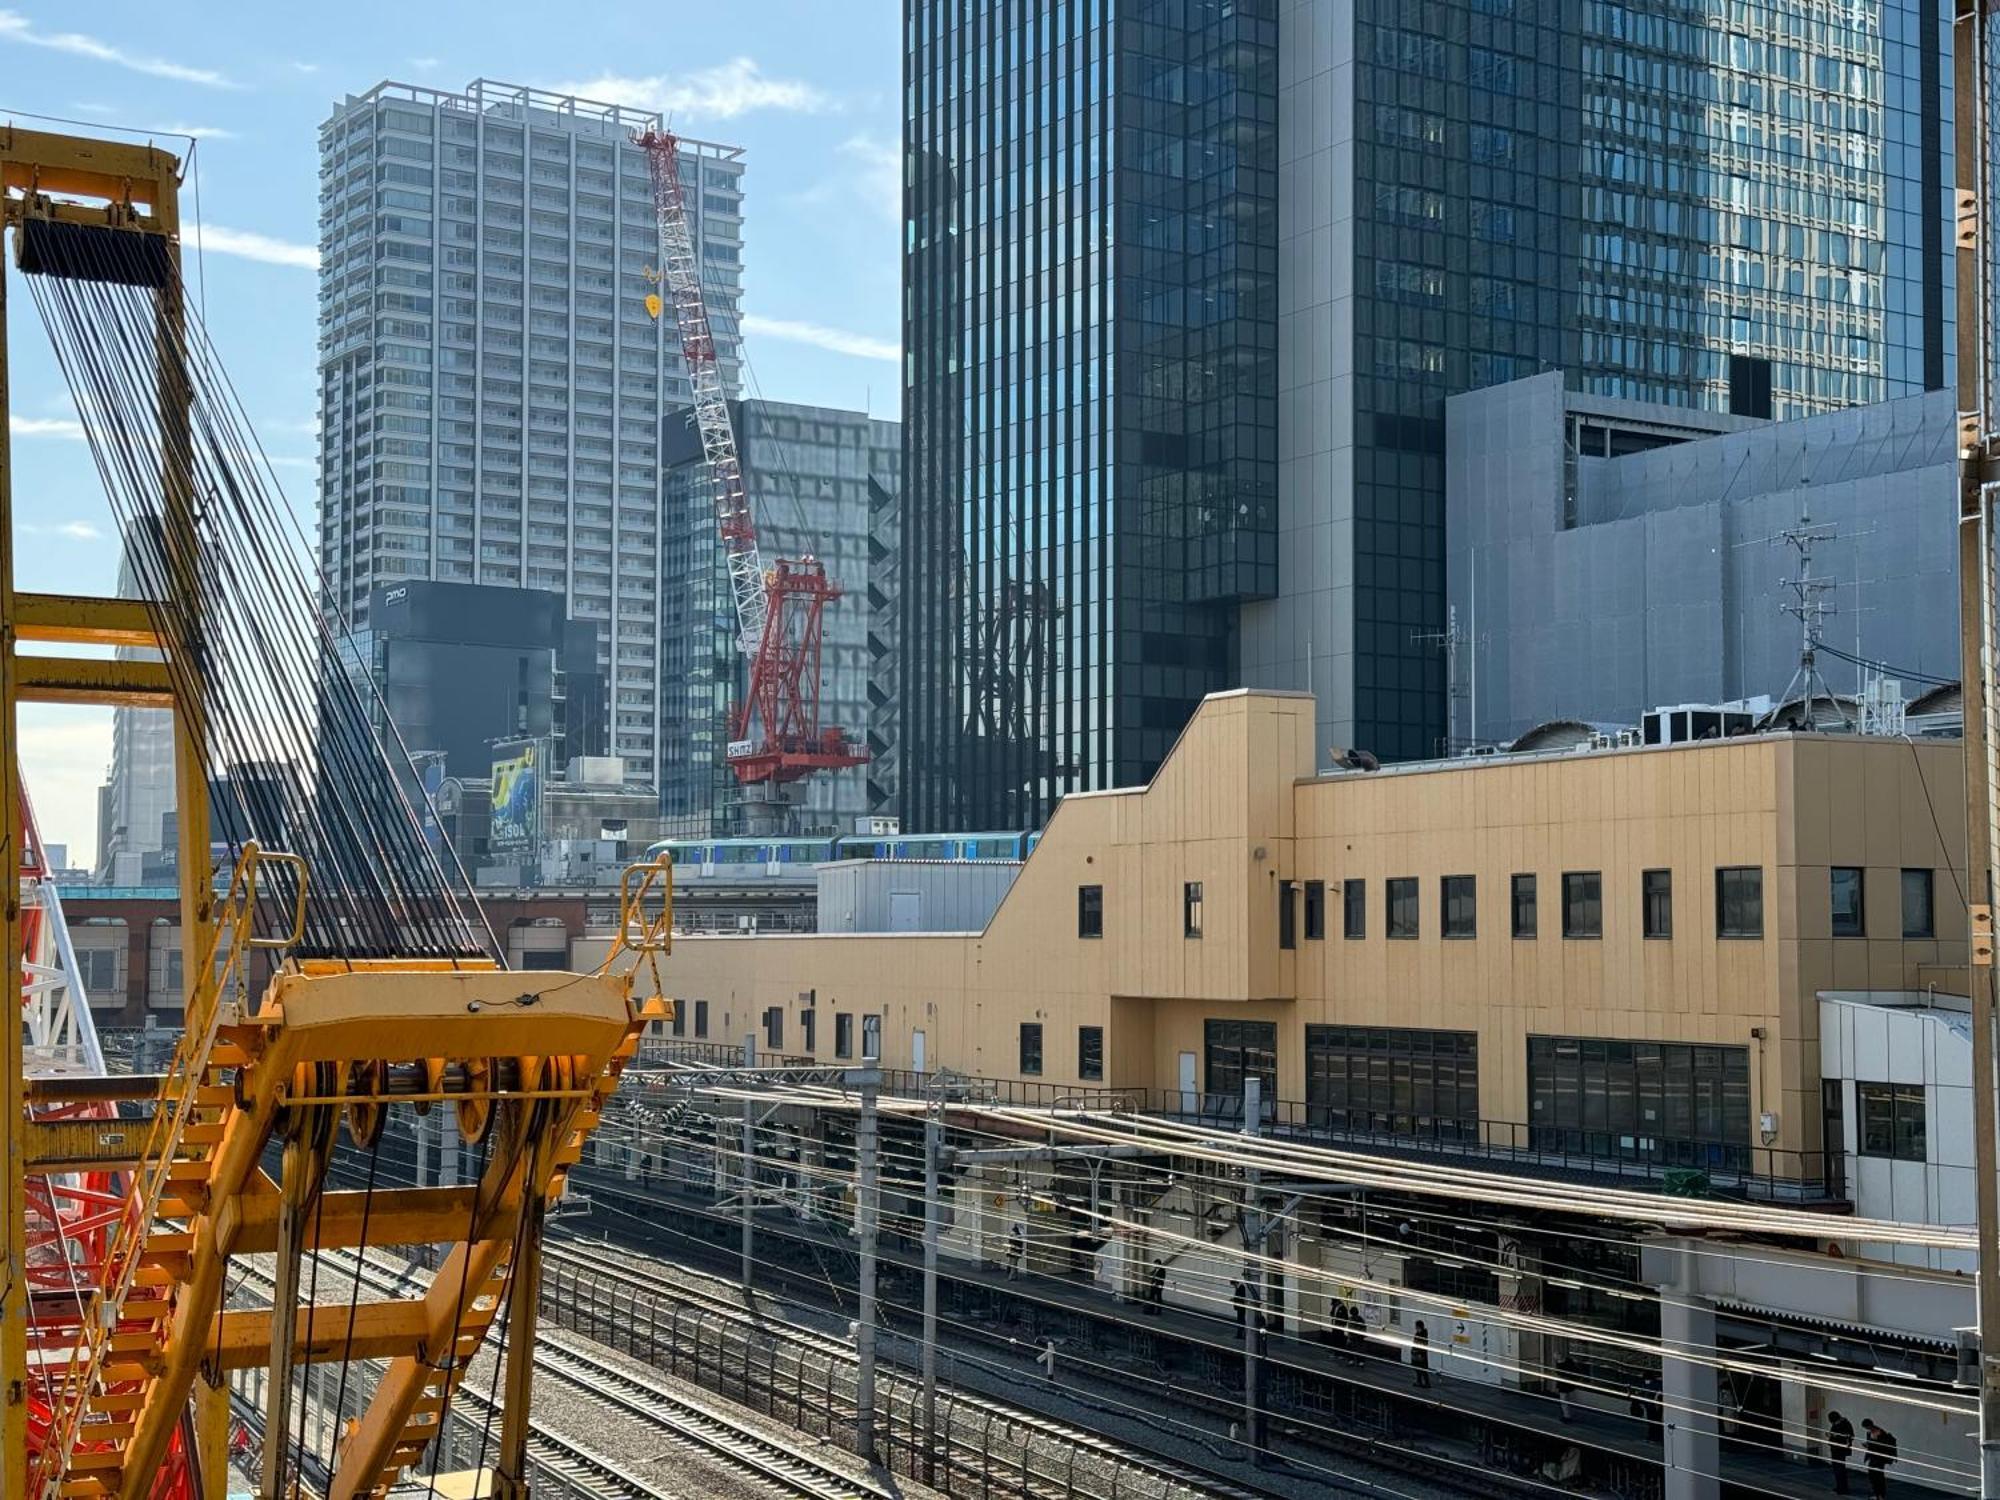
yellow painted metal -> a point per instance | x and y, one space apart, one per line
211 1437
81 620
13 1195
68 679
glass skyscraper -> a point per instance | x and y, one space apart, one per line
1090 418
491 386
1720 203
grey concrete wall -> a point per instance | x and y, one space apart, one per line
1668 589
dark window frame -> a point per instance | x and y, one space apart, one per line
1354 910
701 1018
1090 1053
1524 882
1376 1080
1734 890
1315 911
1090 911
1855 923
1582 908
1928 884
1889 1121
843 1033
809 1037
1191 908
1460 892
1031 1049
774 1027
1656 904
1396 890
1288 914
1231 1051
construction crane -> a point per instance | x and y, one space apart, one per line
776 739
328 984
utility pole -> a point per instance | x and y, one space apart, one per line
867 1078
933 1217
1978 471
1253 1239
749 1168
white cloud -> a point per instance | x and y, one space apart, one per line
834 340
75 531
423 64
250 245
720 93
193 132
65 751
55 427
305 67
879 169
15 27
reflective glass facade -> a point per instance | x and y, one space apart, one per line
1090 403
1723 204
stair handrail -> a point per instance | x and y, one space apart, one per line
83 1374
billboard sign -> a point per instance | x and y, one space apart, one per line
516 824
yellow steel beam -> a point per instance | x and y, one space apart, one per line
13 1195
77 619
398 1216
68 679
81 1145
41 161
241 1338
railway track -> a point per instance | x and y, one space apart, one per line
574 1468
1138 1474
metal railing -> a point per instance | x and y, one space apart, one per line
1694 1167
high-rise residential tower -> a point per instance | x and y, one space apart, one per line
1176 372
491 385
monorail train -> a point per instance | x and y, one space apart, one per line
718 858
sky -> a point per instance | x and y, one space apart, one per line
809 89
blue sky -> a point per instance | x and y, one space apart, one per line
810 90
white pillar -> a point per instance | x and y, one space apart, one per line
1687 1388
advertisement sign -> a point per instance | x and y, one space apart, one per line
518 768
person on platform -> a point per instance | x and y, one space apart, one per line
1420 1355
1839 1447
1879 1451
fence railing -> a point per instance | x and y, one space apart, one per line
1695 1167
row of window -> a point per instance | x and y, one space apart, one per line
1739 905
774 1027
1089 1052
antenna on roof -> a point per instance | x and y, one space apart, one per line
1810 608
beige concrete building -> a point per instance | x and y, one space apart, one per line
1608 953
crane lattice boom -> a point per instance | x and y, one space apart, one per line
680 274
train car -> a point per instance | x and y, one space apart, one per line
722 859
959 846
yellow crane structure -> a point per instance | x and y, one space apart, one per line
120 1388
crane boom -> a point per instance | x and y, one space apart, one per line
680 274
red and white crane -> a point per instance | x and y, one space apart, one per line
775 734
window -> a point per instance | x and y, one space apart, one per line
701 1018
680 1017
1354 910
1288 914
1237 1050
774 1027
1670 1103
1583 904
1090 1053
98 969
810 1038
1844 890
1383 1081
1403 906
1739 902
1031 1048
871 1038
1090 911
1461 910
843 1035
1315 911
1524 906
1892 1120
1919 919
1656 900
1191 909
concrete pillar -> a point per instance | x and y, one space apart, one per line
1687 1388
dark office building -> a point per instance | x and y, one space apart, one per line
460 665
1744 218
1090 446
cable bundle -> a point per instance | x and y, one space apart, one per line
260 673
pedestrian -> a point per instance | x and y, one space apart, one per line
1156 1289
1239 1299
1879 1450
1565 1383
1645 1405
1839 1445
1420 1355
1017 1250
